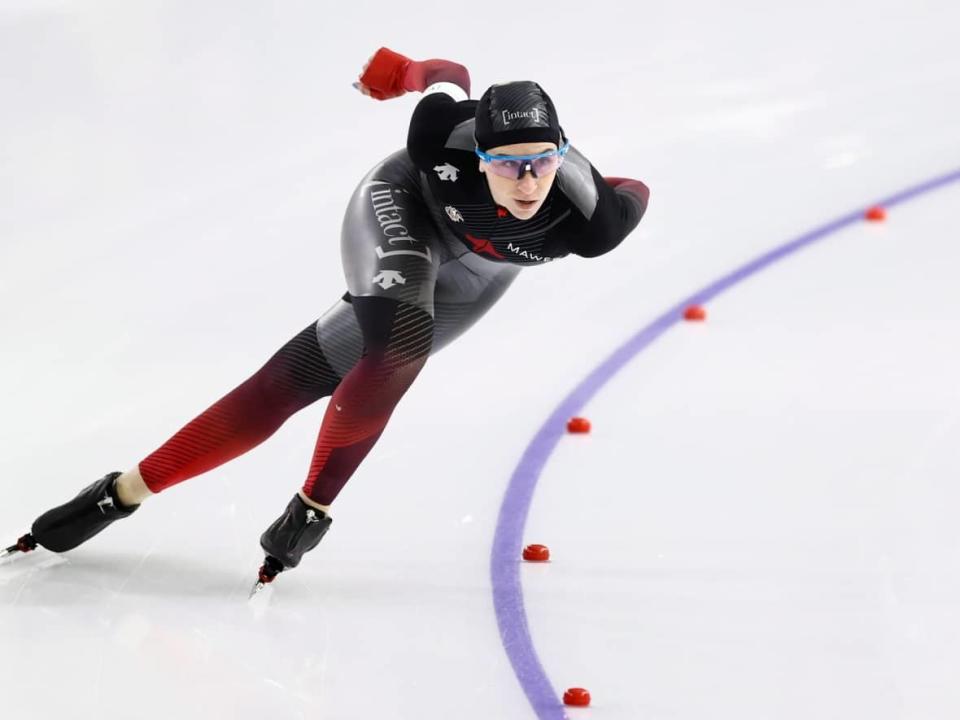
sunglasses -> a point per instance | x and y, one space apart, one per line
515 166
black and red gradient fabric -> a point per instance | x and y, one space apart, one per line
397 339
297 375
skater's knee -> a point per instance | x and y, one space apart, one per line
297 375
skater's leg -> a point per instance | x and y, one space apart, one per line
398 337
297 375
390 254
463 294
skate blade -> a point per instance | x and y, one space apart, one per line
257 587
8 555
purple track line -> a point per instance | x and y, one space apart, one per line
508 538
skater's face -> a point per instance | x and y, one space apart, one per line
521 197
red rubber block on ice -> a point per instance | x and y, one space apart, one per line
876 214
536 553
695 313
578 425
576 697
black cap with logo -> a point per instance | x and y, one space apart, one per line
516 112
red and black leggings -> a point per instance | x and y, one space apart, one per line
397 338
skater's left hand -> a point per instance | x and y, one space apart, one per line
383 75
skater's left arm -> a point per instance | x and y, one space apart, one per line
389 74
611 206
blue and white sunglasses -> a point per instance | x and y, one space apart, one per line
515 166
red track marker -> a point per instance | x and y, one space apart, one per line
536 553
576 697
578 425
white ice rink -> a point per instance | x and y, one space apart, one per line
763 524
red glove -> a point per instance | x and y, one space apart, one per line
390 74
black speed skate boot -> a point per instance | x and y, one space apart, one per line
297 531
75 522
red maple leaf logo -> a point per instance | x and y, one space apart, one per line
483 246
